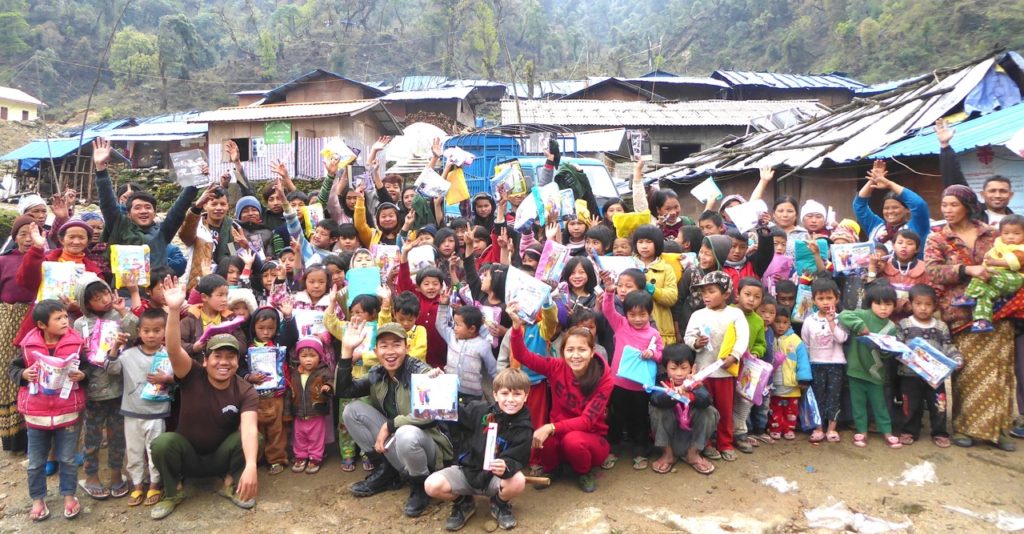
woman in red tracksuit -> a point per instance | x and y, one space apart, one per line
581 384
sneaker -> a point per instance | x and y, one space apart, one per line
1017 432
981 325
463 508
383 478
501 511
299 465
588 482
164 508
276 469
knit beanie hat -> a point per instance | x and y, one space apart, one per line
91 216
20 221
28 202
966 197
719 245
310 342
75 223
847 229
247 202
812 207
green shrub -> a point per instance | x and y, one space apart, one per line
6 221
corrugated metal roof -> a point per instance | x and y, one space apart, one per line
620 113
17 95
884 87
444 93
786 81
303 111
46 149
666 78
278 92
159 131
627 86
596 140
848 134
97 129
421 83
545 89
996 128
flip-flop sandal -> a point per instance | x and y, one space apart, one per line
893 442
832 436
817 436
347 465
97 492
275 469
941 442
640 463
153 496
703 467
121 489
729 455
136 497
906 439
366 464
42 515
536 470
71 513
666 467
313 468
789 436
860 440
711 453
609 461
776 436
766 438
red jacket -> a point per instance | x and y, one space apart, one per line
50 411
30 276
437 349
491 254
571 410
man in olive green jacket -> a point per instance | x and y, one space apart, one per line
381 425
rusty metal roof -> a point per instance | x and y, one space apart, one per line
302 111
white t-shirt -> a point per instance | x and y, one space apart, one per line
993 217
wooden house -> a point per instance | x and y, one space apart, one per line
295 121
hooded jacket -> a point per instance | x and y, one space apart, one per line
515 437
375 387
371 236
662 278
467 358
486 222
40 410
102 385
792 365
192 329
690 297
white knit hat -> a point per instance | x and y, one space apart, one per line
812 207
28 202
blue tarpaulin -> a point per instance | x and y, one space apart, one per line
47 148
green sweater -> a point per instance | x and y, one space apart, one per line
758 345
862 360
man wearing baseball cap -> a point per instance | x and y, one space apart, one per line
217 434
396 443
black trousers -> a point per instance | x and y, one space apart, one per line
628 417
917 394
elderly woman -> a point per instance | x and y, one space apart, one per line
983 388
902 208
15 301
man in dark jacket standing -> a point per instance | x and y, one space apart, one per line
138 226
396 442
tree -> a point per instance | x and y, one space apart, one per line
179 47
483 38
133 55
15 28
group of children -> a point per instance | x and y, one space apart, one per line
701 322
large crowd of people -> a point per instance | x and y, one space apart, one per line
177 392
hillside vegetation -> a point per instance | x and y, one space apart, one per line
190 54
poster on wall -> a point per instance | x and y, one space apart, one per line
985 162
277 132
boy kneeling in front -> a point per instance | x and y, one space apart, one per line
503 480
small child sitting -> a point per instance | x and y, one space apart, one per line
504 480
1004 262
792 376
307 402
469 354
675 440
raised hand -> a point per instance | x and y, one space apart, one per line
247 256
131 280
331 165
354 336
944 132
551 231
767 174
238 236
232 151
503 241
174 295
119 305
100 153
286 306
38 240
382 142
435 147
608 280
410 219
123 199
512 309
279 168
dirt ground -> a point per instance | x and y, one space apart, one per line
981 479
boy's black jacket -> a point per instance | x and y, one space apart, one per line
515 438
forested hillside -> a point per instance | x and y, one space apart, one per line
181 54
